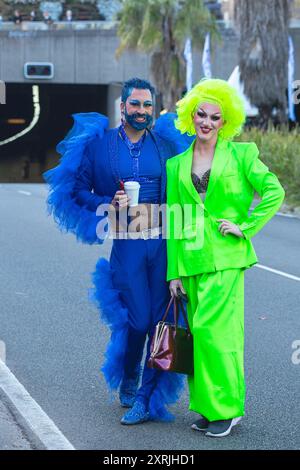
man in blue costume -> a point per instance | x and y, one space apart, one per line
131 290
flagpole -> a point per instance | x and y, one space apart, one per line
189 64
206 62
291 71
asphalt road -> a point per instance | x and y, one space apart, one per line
54 340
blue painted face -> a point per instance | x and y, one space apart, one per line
138 109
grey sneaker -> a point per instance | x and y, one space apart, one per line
222 427
201 424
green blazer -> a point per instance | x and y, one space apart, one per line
194 244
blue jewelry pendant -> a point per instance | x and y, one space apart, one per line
135 152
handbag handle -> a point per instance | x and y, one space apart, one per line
167 309
179 300
176 301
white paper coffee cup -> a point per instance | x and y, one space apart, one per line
132 189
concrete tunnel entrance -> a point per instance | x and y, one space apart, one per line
34 119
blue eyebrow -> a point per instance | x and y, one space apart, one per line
148 102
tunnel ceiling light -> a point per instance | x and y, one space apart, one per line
36 115
16 121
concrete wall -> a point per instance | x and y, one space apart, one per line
79 56
87 56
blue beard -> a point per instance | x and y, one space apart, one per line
138 126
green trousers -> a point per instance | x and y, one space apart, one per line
216 317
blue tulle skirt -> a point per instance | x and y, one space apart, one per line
114 314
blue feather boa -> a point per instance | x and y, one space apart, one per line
70 216
165 127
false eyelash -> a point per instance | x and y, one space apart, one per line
214 118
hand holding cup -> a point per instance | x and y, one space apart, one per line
120 200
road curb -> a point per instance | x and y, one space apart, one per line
39 428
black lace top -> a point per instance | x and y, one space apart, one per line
201 184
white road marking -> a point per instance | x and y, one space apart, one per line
291 216
280 273
27 193
39 427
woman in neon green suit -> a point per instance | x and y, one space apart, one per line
210 188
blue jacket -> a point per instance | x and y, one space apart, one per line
85 178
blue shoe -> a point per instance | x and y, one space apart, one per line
138 414
128 391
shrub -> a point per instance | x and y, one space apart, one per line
280 151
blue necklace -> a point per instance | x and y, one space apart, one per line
133 147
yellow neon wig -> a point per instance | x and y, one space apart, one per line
215 91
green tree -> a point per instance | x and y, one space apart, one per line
161 27
5 9
263 54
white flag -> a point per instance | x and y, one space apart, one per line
206 64
189 64
291 70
